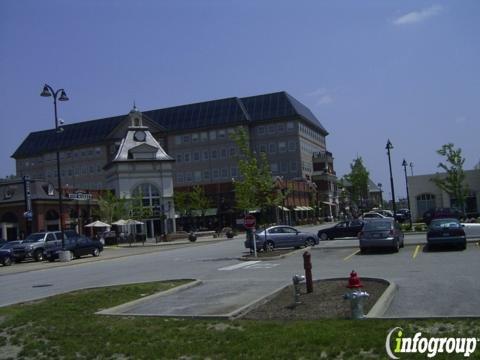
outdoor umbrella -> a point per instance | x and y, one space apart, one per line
98 224
120 222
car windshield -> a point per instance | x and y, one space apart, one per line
34 237
378 225
445 223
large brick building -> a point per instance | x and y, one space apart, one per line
197 137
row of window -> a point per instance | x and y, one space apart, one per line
306 131
85 153
206 175
77 171
272 129
308 148
278 147
204 136
205 155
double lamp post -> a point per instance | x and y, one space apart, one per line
61 96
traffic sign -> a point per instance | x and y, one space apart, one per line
249 221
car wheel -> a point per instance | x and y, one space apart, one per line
323 236
463 246
396 246
309 242
269 246
38 255
95 252
7 261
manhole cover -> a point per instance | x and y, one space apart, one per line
42 285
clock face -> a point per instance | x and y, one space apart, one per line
139 135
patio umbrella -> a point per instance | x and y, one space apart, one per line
133 222
98 224
120 222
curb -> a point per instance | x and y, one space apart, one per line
116 310
383 302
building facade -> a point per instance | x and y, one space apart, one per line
425 195
196 136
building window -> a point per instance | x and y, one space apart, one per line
197 176
214 154
204 136
206 174
195 137
232 152
261 130
271 129
186 139
178 140
272 148
180 177
221 134
224 173
179 158
293 166
281 128
223 153
216 173
206 155
274 167
263 148
233 172
292 146
424 203
282 147
186 157
213 135
148 193
188 176
196 156
290 126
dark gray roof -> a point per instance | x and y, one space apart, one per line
228 111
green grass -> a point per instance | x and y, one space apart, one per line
66 327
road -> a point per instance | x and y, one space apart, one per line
442 283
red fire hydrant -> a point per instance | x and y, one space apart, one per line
354 281
307 265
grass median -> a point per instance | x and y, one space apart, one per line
66 327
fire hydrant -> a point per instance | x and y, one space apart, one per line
297 279
356 296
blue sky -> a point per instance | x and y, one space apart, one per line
369 70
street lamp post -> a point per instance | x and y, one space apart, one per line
389 146
404 164
48 91
381 195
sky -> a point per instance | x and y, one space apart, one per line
369 70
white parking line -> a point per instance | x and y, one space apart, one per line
262 265
238 266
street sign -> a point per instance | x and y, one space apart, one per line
249 221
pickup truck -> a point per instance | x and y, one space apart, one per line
35 244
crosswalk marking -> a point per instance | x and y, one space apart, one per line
238 266
249 265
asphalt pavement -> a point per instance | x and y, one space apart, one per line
430 284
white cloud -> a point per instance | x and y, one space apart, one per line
418 15
321 96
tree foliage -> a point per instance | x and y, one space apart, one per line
256 189
454 181
196 199
358 178
110 208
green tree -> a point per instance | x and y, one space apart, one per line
256 189
198 200
358 179
110 208
182 203
454 181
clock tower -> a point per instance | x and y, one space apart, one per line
142 168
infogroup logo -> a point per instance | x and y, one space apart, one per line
401 344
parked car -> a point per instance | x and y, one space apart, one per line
342 229
35 243
442 213
374 215
402 215
446 232
282 236
77 246
6 255
381 233
2 241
